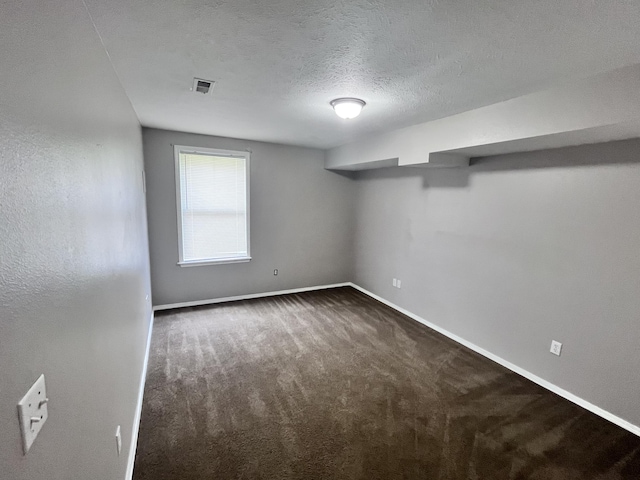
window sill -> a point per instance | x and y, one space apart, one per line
218 261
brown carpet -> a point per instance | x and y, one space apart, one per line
334 385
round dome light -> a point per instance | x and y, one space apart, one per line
347 107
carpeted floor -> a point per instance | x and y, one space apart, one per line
334 385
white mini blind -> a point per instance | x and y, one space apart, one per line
213 201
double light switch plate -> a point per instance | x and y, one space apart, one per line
32 410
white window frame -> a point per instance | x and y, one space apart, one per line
177 150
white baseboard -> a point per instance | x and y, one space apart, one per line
510 366
136 421
197 303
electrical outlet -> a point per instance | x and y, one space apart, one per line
395 282
399 283
33 413
118 440
275 272
556 347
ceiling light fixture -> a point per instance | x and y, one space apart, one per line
347 107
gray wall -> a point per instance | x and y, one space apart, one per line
73 254
514 252
301 222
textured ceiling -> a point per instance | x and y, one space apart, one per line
278 63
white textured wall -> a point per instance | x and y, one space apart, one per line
73 255
301 222
516 251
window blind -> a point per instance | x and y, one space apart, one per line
213 207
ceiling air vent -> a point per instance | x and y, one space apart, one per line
202 86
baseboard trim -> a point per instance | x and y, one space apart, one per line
510 366
133 445
198 303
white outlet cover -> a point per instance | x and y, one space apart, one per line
556 347
33 413
395 282
118 440
399 283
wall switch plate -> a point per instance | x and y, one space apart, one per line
275 272
118 440
556 347
33 413
399 283
395 282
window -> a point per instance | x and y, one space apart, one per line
212 191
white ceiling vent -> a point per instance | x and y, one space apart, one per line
202 86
